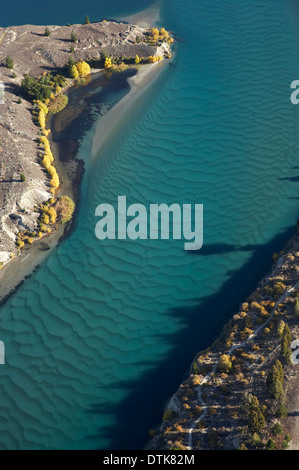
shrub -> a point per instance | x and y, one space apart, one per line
73 72
108 63
138 40
9 62
83 68
242 446
45 218
256 419
58 104
65 207
154 58
271 445
275 380
277 429
74 37
34 89
280 328
167 414
282 411
72 49
155 34
52 214
286 440
225 363
256 440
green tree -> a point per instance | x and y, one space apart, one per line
286 335
256 440
275 380
242 446
296 308
277 429
34 89
282 411
256 419
286 340
87 20
47 32
286 440
9 62
23 179
271 445
74 37
280 328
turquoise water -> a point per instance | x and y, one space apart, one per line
103 333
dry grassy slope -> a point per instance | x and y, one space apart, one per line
35 53
206 411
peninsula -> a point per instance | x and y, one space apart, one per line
38 63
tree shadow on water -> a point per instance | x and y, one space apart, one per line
142 409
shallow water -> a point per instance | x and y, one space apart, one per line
104 332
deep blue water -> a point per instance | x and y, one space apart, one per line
103 333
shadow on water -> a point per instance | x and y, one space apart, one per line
143 407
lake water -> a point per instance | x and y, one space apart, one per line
102 334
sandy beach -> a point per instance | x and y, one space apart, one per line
16 271
145 18
139 84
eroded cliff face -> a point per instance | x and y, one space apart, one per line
227 401
35 53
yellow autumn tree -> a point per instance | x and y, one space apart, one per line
52 214
108 63
45 219
155 34
74 72
137 59
164 34
154 58
83 68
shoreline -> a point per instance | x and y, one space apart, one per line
207 411
108 124
145 18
